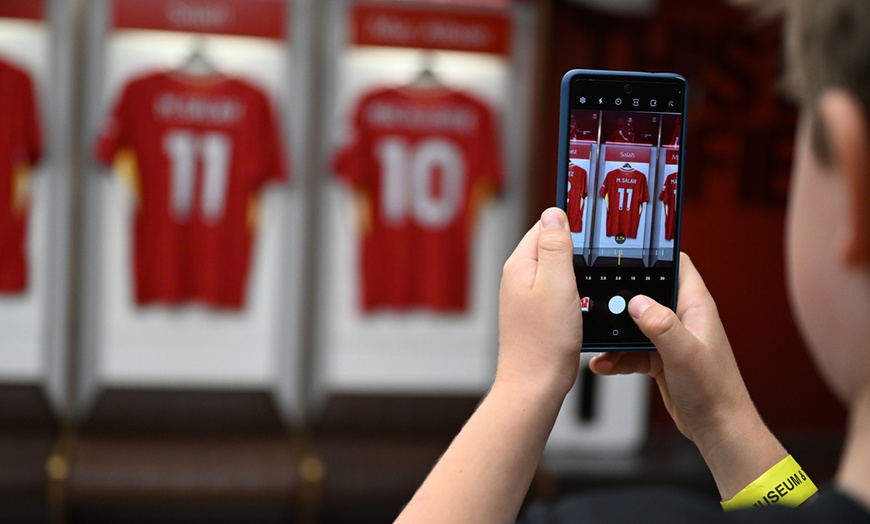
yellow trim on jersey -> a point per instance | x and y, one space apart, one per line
20 187
255 210
481 192
127 168
362 206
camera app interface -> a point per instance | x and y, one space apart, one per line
621 199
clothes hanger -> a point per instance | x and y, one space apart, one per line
426 78
197 63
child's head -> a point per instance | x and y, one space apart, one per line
827 43
827 49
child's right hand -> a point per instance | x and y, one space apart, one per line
699 381
694 366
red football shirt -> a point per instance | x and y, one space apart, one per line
626 190
203 147
20 146
668 195
577 192
423 157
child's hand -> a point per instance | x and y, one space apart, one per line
485 473
540 322
700 383
694 366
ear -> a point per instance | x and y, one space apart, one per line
847 132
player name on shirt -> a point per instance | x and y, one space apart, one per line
627 180
447 118
196 109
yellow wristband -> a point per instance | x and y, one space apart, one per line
785 484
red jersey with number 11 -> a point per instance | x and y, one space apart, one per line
626 190
202 149
424 157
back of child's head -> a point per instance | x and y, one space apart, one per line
827 44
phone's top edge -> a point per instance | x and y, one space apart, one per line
604 74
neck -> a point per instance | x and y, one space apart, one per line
853 475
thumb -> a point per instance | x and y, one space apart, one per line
555 249
661 325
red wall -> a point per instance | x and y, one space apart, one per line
738 159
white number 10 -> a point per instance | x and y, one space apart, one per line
407 176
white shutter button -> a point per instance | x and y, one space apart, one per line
616 305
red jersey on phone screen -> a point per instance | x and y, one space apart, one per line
425 157
20 148
668 195
626 190
577 192
201 148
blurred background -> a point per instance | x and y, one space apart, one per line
245 345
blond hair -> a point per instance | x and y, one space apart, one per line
827 44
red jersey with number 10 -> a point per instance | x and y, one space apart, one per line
20 147
424 157
202 150
626 190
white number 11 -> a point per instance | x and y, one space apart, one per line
625 197
185 149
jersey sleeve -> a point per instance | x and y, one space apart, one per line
350 159
490 148
20 114
644 190
606 185
32 128
273 166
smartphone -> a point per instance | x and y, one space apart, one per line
620 179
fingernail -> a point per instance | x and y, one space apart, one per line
552 218
638 305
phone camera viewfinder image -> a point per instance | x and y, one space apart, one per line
620 180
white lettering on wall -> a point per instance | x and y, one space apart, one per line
202 16
449 33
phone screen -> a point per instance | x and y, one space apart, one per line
620 179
